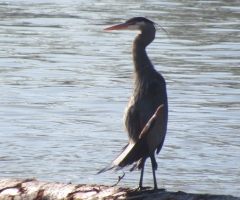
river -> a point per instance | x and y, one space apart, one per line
64 85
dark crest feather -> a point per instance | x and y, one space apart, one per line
143 19
140 19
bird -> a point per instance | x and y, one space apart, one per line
146 115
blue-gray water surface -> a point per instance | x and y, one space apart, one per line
64 85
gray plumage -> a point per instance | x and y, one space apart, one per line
146 115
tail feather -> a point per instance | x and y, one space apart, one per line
131 153
138 151
109 167
115 163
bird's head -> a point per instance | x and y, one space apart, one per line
136 23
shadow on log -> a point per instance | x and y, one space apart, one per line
31 189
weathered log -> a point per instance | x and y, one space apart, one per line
31 189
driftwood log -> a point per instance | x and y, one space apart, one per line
31 189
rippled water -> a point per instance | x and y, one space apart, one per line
65 83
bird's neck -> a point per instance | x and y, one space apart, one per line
143 67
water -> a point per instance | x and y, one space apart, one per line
65 83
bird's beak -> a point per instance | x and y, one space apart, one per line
122 26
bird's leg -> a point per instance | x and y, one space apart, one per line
141 178
154 168
142 171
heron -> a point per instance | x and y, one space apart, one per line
146 115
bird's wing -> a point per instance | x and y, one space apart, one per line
133 124
160 146
138 151
163 121
156 133
131 152
134 152
148 127
140 148
149 139
151 136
